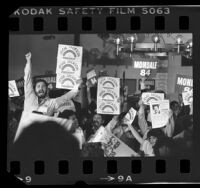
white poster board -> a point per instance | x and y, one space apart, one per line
150 97
130 116
108 95
112 146
159 113
69 64
12 89
187 97
70 52
68 67
91 77
66 81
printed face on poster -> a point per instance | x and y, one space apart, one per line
151 97
183 83
12 89
159 113
108 95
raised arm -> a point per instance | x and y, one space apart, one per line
88 93
28 85
169 128
141 119
68 96
111 125
29 94
136 135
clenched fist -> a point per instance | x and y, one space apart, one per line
28 56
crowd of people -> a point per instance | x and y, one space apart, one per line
50 139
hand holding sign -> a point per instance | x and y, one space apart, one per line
79 83
28 56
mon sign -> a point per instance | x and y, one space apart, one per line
183 83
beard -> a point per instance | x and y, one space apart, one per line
41 94
96 125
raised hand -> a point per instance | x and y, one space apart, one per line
140 103
28 56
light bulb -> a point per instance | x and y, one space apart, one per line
190 43
179 39
155 38
132 38
118 41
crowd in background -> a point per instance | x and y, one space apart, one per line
51 139
174 139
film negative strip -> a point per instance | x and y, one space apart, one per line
103 95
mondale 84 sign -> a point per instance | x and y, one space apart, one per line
183 83
145 67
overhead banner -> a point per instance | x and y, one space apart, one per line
69 64
149 84
108 95
183 83
146 66
12 89
150 97
159 113
112 146
187 97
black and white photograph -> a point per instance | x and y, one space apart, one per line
54 110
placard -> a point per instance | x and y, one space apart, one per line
66 81
159 113
108 107
91 77
108 95
66 66
183 83
12 89
112 146
70 52
149 97
187 97
130 116
69 64
149 84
